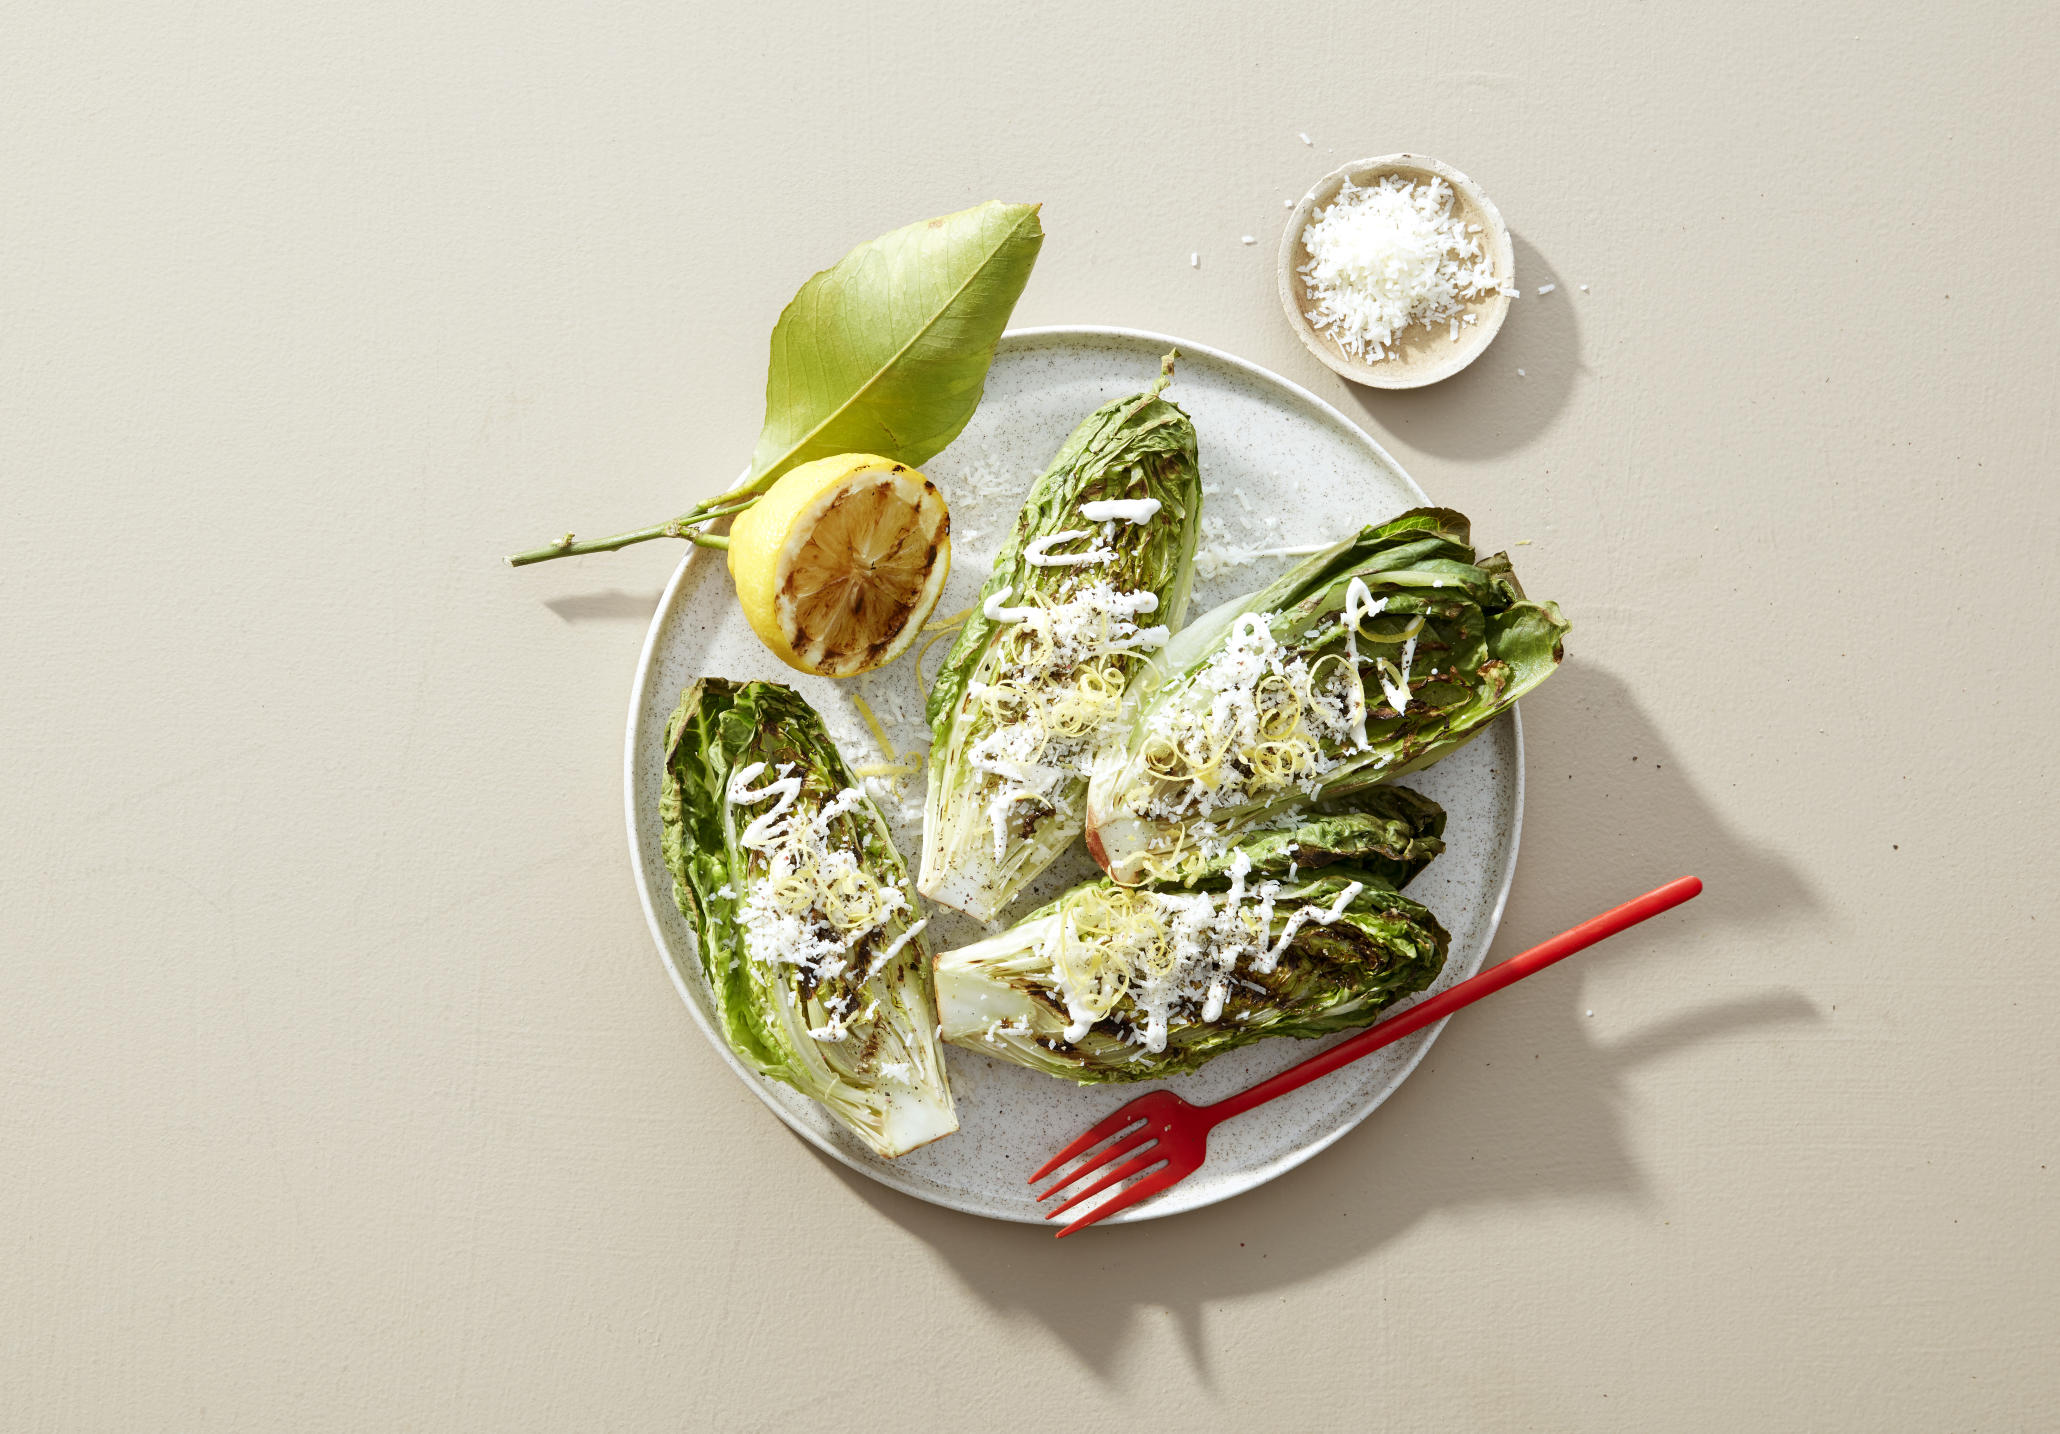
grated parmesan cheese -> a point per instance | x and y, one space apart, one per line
1220 558
1052 703
1386 258
1255 721
816 906
1175 955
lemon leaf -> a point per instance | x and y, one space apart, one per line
887 350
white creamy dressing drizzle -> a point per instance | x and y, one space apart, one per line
784 912
759 834
1206 937
881 961
1080 1016
1227 930
1121 510
1273 953
1360 604
1037 552
1398 697
993 611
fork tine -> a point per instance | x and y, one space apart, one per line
1102 1158
1149 1156
1119 1120
1151 1185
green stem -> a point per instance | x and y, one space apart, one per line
687 526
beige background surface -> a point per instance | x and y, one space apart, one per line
341 1087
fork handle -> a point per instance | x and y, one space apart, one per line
1423 1013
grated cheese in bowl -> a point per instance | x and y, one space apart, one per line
1387 257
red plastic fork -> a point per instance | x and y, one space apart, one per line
1174 1138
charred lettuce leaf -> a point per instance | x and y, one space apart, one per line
1392 832
808 931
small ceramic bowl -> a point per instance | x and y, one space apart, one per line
1423 353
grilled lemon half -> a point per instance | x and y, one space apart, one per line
842 561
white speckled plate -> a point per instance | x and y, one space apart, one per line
1280 468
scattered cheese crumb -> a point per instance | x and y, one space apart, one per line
1217 558
1248 239
1547 288
1306 140
1287 204
1194 261
1584 288
1519 373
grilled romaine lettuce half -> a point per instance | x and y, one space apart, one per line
1113 983
809 933
1094 575
1369 660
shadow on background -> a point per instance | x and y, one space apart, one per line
1528 1107
1607 802
610 605
1486 410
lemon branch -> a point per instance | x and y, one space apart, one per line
686 526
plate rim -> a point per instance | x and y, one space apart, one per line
756 1083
